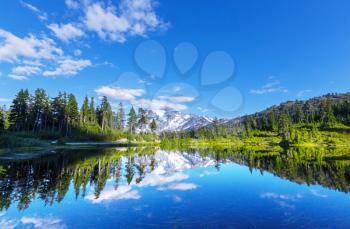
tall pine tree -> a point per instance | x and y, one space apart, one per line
132 120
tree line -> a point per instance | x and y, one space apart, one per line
61 114
292 120
324 112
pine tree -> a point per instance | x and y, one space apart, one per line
272 121
299 114
84 111
120 117
284 128
327 116
58 107
215 128
142 118
2 120
19 111
106 113
92 113
72 113
153 125
248 125
39 109
132 120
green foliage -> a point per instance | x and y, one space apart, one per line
85 111
132 120
40 118
120 119
142 118
2 120
153 125
20 111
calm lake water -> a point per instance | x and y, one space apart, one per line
153 188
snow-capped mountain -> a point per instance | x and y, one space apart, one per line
170 120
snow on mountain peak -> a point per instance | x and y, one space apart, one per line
172 120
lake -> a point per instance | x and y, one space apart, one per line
154 188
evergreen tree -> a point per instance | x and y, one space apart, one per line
248 125
299 116
2 120
153 125
132 120
39 110
272 122
120 117
92 113
215 128
130 169
19 111
84 111
284 128
327 116
106 114
142 118
58 107
72 113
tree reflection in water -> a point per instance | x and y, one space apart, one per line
49 177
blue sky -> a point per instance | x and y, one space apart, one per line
212 58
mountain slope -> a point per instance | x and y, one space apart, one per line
170 121
308 109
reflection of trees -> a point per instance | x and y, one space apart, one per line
49 178
329 168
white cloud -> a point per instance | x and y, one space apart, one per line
12 48
105 23
8 224
133 96
26 70
124 192
274 86
303 92
178 99
154 179
18 77
134 17
282 200
120 93
272 195
158 104
66 32
43 222
72 4
179 186
317 193
68 67
207 173
41 15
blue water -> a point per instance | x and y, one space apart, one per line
172 189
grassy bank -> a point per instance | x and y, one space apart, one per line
302 137
9 140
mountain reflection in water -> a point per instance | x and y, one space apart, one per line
49 177
154 188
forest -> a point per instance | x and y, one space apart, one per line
323 120
60 117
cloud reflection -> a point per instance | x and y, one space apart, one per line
123 192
